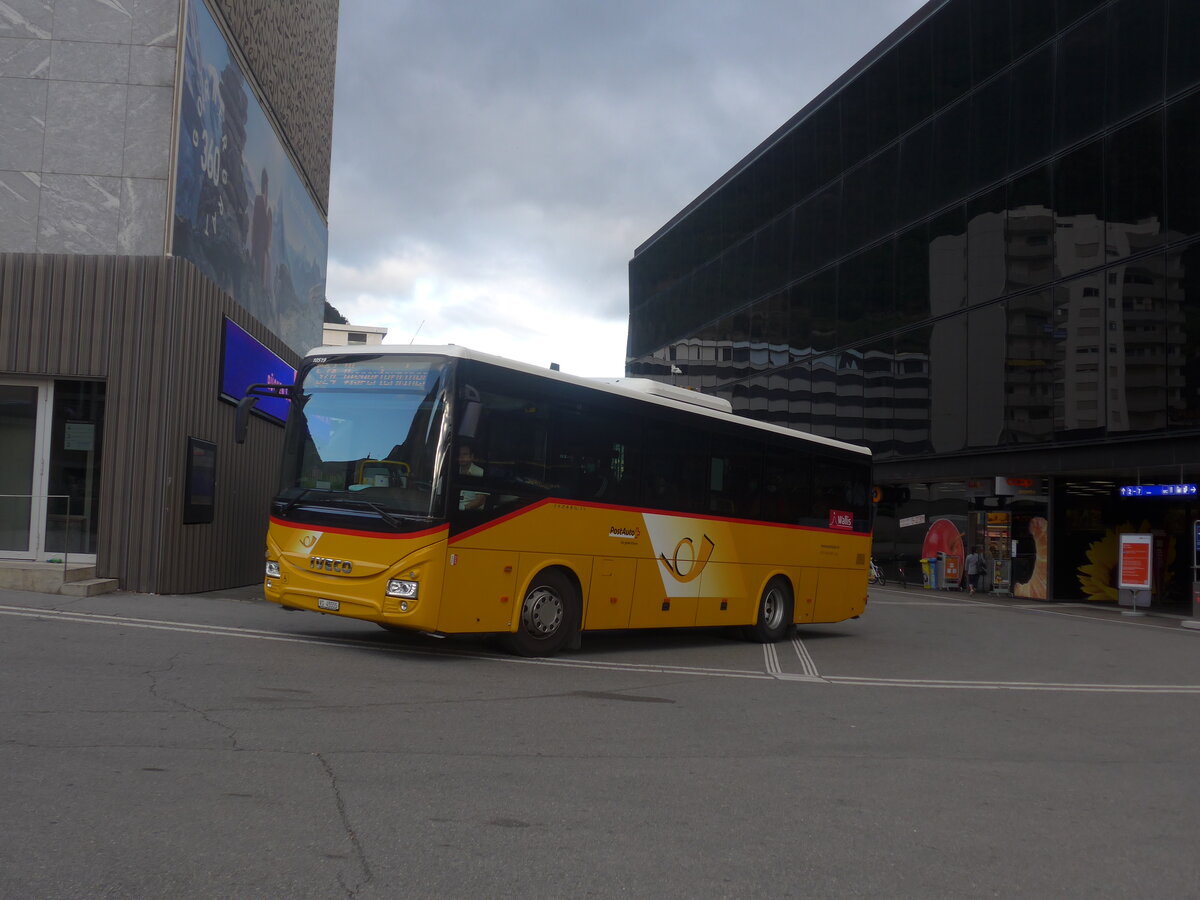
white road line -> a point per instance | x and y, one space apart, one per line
1016 685
771 660
1055 609
959 604
284 637
774 670
806 661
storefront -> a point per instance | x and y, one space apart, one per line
51 440
1045 538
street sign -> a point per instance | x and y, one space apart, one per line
1158 490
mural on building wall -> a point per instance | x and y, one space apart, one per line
1036 585
242 212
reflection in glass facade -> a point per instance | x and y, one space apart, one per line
983 240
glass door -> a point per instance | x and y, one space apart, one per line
24 420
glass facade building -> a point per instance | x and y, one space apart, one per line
978 253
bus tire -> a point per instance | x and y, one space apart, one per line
549 616
774 618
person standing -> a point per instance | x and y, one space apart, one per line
976 566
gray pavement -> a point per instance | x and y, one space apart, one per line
940 746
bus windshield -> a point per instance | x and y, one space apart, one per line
363 436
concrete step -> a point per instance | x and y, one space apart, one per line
89 587
42 577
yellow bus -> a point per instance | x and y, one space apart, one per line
440 490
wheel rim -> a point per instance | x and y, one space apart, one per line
542 612
772 608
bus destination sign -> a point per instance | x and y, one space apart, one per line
381 378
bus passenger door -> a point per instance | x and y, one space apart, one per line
610 597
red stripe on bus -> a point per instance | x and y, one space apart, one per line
638 510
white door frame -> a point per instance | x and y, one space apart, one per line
41 459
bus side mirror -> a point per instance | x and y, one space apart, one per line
242 421
253 392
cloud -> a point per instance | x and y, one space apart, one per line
496 165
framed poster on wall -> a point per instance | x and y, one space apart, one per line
200 482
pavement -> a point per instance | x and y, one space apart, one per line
253 593
1083 607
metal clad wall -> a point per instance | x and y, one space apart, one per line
199 557
151 328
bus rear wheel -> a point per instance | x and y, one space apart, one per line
774 614
549 616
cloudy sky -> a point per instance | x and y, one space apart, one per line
495 165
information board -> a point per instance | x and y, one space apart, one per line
1136 562
1158 490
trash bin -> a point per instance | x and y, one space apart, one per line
928 572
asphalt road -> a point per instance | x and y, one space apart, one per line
217 746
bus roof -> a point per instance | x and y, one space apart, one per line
643 389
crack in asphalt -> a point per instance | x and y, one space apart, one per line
359 852
231 737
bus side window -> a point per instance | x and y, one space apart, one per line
842 487
779 499
735 480
678 472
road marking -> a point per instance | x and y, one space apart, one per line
291 638
771 660
1057 609
1017 685
774 671
959 604
806 661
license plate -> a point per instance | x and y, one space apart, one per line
331 605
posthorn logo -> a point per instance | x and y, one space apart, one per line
687 562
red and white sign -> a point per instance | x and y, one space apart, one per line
839 518
1135 562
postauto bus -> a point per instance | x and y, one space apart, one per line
440 490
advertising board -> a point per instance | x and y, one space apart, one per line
243 214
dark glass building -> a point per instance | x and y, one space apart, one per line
977 252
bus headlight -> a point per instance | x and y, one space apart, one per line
272 568
405 589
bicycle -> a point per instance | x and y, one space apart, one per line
876 576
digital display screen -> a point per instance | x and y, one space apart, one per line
376 375
245 361
1158 490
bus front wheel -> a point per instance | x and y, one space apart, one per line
550 615
774 614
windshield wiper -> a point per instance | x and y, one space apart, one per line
383 513
394 520
290 503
